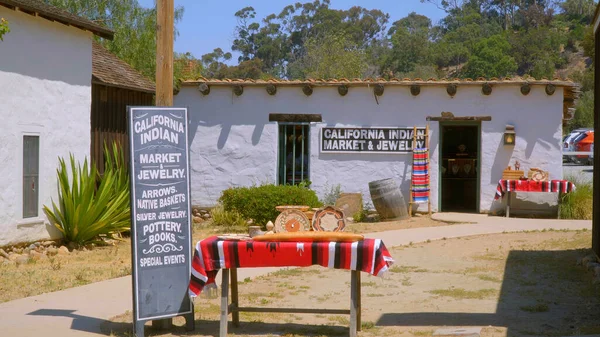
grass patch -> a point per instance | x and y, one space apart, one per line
369 284
339 319
289 272
407 269
540 307
421 332
375 295
460 293
579 203
406 282
367 325
65 271
489 278
488 257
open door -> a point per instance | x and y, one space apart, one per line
459 167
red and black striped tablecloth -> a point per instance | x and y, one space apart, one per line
211 254
504 185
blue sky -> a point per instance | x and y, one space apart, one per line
207 24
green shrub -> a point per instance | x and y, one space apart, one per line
230 220
332 194
579 203
259 202
361 215
91 207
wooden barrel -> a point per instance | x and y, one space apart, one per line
388 200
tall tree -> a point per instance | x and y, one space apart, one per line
280 40
410 44
333 56
134 27
491 59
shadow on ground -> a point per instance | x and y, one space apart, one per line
211 328
80 323
543 293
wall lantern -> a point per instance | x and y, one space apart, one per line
343 90
550 89
509 135
451 90
415 90
271 89
307 90
378 90
238 90
486 89
204 89
525 89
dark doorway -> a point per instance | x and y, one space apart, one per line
459 167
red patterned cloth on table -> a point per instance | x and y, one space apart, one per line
212 254
563 186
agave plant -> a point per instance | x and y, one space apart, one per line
91 207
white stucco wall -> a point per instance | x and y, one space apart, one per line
233 144
45 76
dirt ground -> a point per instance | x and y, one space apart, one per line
514 284
414 222
82 267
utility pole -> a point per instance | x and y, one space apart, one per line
164 52
164 79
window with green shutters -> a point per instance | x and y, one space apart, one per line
31 169
294 140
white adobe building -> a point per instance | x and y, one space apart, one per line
245 132
45 76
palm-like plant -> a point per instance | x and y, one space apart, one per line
91 207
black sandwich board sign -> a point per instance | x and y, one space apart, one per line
160 214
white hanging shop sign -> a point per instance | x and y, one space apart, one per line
370 140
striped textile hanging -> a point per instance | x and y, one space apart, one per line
420 176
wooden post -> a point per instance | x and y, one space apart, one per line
165 11
596 176
164 52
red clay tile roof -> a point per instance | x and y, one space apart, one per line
110 70
56 14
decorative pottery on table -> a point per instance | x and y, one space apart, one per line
329 219
301 208
536 174
291 220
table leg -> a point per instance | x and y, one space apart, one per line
354 297
559 204
359 300
508 199
234 297
224 303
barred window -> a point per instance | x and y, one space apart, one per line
294 140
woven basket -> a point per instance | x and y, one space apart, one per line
512 174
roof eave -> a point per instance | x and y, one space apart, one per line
95 29
96 80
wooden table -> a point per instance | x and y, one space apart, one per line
235 309
508 187
214 254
